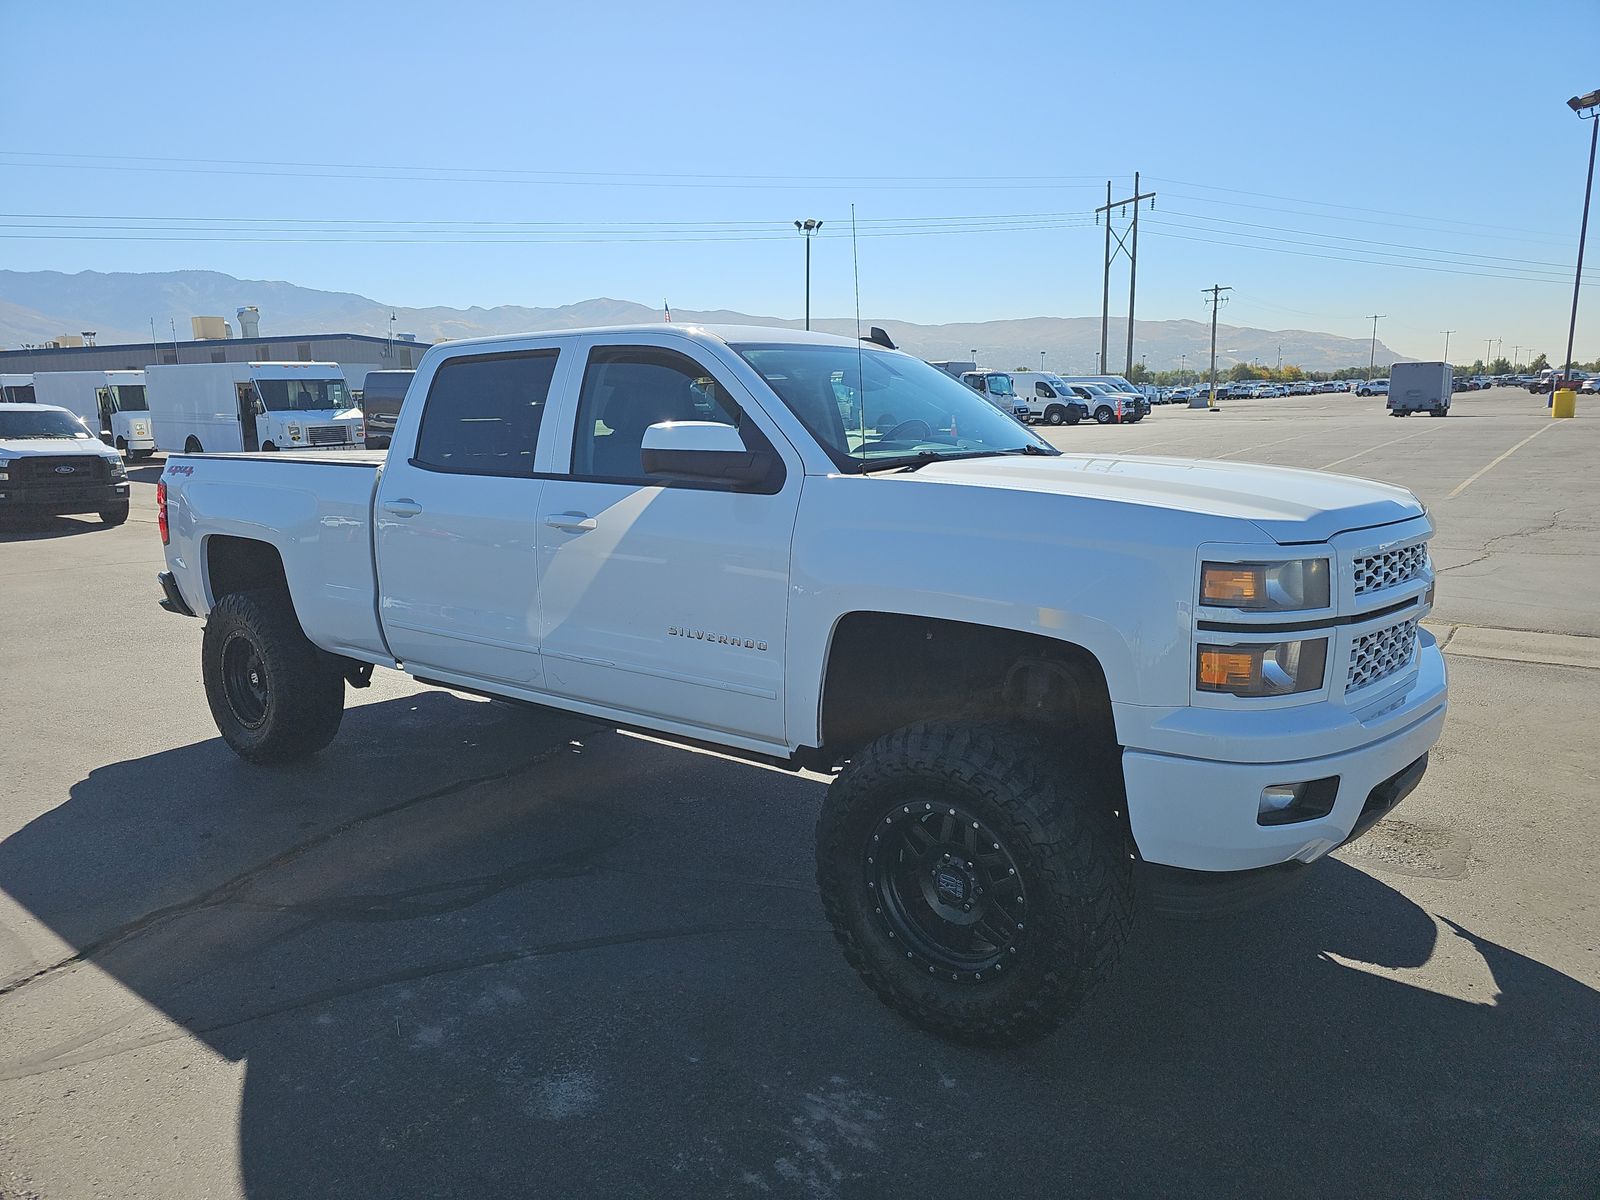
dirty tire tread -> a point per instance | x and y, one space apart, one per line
306 700
1056 816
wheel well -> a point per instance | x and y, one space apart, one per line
236 564
887 670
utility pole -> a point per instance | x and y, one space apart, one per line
1216 302
1488 353
1447 333
1280 358
1372 362
1128 245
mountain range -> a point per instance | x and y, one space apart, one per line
120 307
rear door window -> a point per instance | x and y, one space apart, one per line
483 412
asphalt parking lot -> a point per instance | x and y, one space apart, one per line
473 951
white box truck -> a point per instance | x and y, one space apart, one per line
110 403
1420 387
230 407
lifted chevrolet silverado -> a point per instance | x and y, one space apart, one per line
1038 676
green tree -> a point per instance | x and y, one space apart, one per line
1539 364
1500 366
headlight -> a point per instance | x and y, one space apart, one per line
293 430
1301 583
119 469
1263 669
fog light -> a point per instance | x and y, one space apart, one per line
1279 797
1287 803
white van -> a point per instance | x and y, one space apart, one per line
1049 398
16 389
223 407
996 388
110 403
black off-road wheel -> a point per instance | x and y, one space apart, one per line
274 696
114 516
980 885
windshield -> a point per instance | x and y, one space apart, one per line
36 423
1000 385
303 395
871 407
21 393
130 398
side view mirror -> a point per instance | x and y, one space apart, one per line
257 407
702 450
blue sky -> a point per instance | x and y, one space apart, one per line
1415 160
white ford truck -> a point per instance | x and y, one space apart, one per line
1045 681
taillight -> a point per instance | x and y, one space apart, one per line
161 509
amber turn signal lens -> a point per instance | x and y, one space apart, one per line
1232 587
1227 668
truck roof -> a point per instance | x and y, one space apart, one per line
721 333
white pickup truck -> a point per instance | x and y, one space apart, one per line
1040 677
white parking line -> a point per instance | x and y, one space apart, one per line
1263 445
1477 475
1370 449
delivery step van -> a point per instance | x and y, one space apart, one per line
220 408
111 403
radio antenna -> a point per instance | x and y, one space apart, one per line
861 375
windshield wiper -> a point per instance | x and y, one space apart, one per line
912 462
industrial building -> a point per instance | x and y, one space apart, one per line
356 353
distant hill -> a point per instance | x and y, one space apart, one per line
119 306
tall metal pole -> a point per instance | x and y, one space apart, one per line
808 285
1488 353
1447 333
1583 235
1133 270
1372 363
1105 287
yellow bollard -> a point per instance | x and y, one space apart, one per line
1564 403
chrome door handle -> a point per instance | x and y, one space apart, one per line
573 522
402 508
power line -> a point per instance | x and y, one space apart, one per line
1351 208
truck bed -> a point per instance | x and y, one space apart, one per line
335 458
314 507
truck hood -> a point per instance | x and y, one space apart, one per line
53 447
1286 504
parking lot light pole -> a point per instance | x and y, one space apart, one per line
1372 362
1588 109
1447 333
808 230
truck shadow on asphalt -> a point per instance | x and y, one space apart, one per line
473 951
40 529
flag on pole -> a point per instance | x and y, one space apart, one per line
667 311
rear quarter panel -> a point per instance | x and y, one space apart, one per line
318 515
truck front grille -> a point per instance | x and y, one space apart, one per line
1390 568
1379 654
327 435
65 471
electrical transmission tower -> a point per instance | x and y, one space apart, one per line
1127 243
